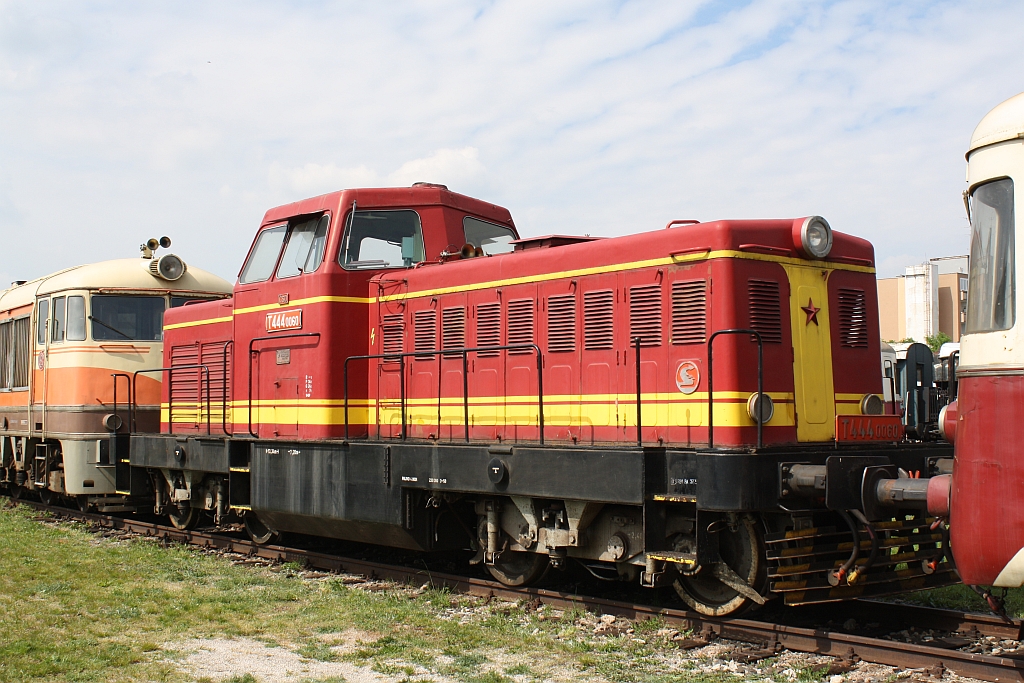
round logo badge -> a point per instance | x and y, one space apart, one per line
687 377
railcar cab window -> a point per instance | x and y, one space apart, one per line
42 316
264 255
305 249
382 239
991 290
76 318
493 239
57 326
127 318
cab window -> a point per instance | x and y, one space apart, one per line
991 289
42 315
57 327
492 238
264 255
76 318
127 318
305 249
382 239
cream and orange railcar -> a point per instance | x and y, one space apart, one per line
62 338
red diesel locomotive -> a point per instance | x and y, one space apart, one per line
696 406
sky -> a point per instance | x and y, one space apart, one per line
121 121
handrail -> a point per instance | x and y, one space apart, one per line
128 381
259 339
224 393
760 385
170 403
639 422
465 351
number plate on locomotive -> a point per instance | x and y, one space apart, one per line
869 428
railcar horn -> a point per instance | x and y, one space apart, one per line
469 251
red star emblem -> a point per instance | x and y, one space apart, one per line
811 311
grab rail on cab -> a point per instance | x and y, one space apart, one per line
760 385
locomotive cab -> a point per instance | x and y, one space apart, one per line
987 523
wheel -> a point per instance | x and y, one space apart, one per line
743 552
518 568
183 520
83 502
48 497
17 492
259 532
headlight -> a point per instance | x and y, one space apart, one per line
871 404
762 407
814 237
168 267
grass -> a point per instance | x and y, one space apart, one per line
76 607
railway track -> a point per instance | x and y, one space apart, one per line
766 638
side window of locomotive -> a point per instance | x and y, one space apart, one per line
127 318
305 249
76 318
991 288
382 239
42 316
261 262
493 239
57 327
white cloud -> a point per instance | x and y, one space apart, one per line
445 166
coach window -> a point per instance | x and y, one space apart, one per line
57 327
991 289
127 318
305 249
493 239
76 318
382 239
42 315
261 262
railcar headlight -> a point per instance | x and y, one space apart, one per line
763 407
814 237
168 267
871 405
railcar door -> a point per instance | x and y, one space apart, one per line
812 353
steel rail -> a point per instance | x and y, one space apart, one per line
771 636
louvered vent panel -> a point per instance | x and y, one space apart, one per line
853 318
645 315
689 312
765 309
184 384
220 381
520 323
6 353
393 329
598 315
562 323
425 331
488 327
453 330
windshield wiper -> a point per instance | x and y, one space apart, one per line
109 327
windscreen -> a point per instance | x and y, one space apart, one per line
382 239
991 289
493 239
127 318
264 255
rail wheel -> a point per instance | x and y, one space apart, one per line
259 532
48 497
742 551
186 520
518 568
17 492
